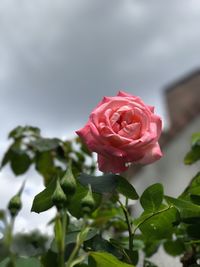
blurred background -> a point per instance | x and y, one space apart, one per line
59 58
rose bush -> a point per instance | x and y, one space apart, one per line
121 130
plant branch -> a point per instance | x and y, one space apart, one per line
126 214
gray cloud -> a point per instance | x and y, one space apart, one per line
59 58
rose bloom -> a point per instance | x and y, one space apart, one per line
121 130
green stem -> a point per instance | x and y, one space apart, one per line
126 214
73 254
9 239
80 239
60 232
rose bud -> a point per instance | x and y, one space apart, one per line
58 198
15 205
68 182
88 202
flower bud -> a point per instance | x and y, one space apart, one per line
15 205
58 198
88 202
68 182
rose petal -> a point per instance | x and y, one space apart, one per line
152 108
131 131
152 154
86 135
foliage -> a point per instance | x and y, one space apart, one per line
93 225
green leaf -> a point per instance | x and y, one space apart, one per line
188 211
20 162
23 262
196 139
72 236
16 132
97 243
126 189
174 247
192 156
20 132
100 184
4 262
109 183
7 157
193 230
160 225
49 259
151 247
195 199
192 189
152 197
45 165
28 262
4 252
75 207
2 215
103 259
45 144
43 201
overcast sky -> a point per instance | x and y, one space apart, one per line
59 58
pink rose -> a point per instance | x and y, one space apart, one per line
122 129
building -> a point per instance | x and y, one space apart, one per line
183 106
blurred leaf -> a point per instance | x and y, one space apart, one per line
2 215
22 262
97 243
148 263
196 139
193 230
174 247
45 144
20 162
45 165
109 183
30 244
81 265
195 199
43 201
151 247
152 197
16 132
7 158
192 188
20 132
71 236
27 262
4 251
103 259
4 262
193 155
49 259
83 146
